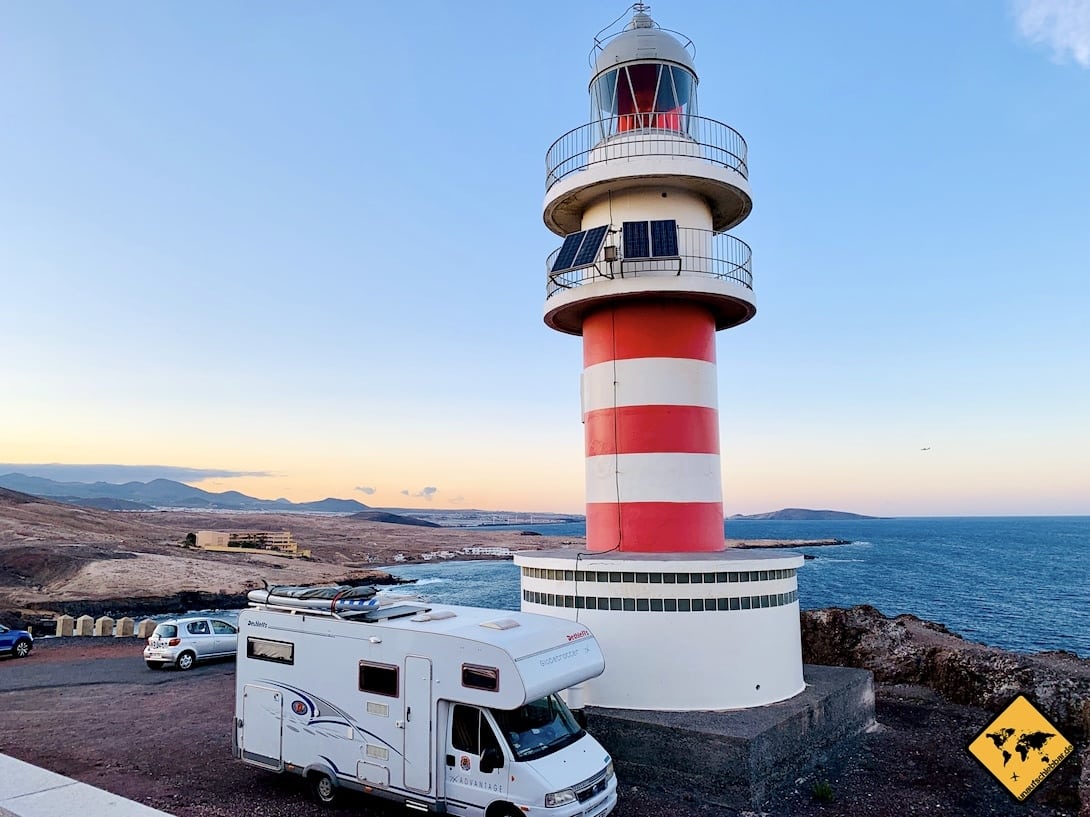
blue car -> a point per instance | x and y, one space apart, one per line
16 642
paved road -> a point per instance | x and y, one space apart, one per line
29 673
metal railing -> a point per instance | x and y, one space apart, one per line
603 141
701 253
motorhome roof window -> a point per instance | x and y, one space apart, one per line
379 679
279 652
477 677
500 624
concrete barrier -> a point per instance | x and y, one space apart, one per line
65 625
85 625
104 626
145 628
123 628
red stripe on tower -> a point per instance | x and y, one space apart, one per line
652 429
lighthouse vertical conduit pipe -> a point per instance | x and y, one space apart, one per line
642 196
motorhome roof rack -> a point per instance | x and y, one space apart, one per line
338 601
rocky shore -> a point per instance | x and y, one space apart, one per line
906 650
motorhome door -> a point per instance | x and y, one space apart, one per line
262 726
471 740
418 715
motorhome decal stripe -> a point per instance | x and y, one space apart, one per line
349 721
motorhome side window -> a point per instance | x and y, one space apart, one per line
380 679
470 732
279 652
477 677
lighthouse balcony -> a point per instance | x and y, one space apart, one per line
626 152
700 265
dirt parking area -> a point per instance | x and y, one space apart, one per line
90 709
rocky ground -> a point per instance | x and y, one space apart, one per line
54 556
906 652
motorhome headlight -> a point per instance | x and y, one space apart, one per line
560 798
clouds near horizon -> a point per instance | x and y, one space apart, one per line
366 489
427 493
1062 25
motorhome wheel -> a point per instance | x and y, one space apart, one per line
322 786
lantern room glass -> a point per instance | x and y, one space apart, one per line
644 95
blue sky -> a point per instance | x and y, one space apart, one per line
303 244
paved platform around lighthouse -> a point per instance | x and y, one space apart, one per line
740 758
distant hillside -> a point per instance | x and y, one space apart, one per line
9 497
166 493
105 503
393 518
801 515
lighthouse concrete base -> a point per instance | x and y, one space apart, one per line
739 759
679 631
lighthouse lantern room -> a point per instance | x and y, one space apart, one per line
646 274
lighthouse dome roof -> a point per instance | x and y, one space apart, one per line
642 41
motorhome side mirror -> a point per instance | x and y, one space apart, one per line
491 760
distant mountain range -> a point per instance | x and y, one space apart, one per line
164 493
798 515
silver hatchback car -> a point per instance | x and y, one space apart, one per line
182 642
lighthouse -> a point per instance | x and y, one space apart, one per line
641 198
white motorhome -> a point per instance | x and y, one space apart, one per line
445 709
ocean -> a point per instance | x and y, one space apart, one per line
1019 583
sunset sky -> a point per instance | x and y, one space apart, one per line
296 250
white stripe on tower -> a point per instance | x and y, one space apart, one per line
650 381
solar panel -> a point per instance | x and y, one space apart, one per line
591 244
636 244
663 238
567 252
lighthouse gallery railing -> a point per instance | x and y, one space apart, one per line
602 141
700 253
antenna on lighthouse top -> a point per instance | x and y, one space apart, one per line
640 20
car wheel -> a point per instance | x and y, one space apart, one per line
154 664
186 660
323 788
21 648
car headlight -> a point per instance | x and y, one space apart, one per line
609 770
560 798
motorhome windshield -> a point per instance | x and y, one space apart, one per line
539 728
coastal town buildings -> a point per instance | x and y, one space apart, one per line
279 543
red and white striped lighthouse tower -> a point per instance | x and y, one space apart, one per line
642 196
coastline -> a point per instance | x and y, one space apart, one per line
72 581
